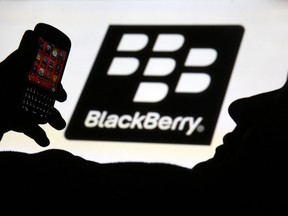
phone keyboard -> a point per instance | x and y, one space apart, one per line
37 102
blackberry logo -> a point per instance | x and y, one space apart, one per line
159 84
162 66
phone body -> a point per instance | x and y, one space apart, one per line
46 72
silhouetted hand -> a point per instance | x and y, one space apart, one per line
13 72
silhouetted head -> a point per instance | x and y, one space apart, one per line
265 108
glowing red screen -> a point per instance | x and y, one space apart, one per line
48 65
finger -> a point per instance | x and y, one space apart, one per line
28 42
56 120
282 96
61 94
28 48
35 132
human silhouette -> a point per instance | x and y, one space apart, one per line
14 70
248 171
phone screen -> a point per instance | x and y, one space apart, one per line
48 66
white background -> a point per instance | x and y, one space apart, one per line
261 65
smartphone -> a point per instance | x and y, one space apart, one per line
46 72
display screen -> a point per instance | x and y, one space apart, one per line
48 66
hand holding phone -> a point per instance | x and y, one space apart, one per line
15 71
46 72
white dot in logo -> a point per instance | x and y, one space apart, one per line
133 42
150 92
159 67
199 57
168 42
123 66
193 83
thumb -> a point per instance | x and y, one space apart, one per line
35 132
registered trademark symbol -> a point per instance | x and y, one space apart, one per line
200 128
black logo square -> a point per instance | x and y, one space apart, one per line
157 84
